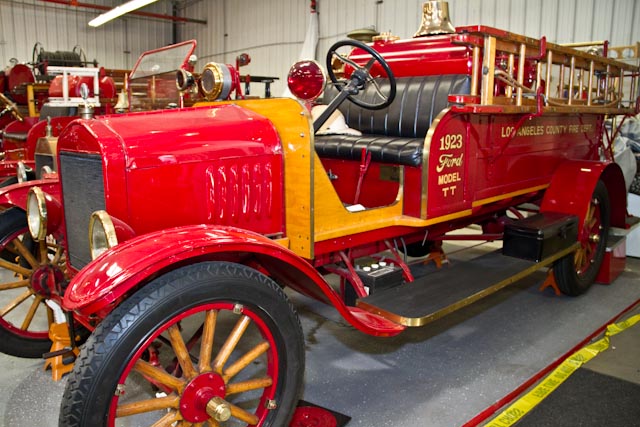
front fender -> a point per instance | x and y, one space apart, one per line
573 184
135 262
16 194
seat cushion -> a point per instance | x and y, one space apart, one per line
385 149
394 134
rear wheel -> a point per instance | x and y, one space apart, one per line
208 344
576 272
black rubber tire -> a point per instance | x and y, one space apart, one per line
9 181
569 281
102 361
12 221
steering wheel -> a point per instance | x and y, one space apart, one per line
11 107
361 75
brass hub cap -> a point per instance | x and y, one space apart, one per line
203 394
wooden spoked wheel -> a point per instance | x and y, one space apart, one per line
179 354
576 272
27 269
202 387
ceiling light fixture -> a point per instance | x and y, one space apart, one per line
119 11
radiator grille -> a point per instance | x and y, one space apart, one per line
83 193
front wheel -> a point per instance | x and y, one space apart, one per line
209 344
24 266
576 272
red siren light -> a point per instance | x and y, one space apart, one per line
306 80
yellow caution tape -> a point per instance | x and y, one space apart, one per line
527 402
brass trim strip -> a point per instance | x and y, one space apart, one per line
508 195
421 321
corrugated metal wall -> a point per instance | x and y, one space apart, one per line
272 31
57 27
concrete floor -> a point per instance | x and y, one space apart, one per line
442 374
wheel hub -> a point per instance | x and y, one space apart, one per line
206 391
44 279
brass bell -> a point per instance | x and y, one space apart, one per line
435 19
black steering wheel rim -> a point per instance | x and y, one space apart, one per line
376 57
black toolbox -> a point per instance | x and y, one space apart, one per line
539 236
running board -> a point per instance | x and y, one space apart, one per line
435 295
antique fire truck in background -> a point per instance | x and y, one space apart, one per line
200 217
28 142
42 97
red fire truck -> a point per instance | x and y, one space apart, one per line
201 218
28 142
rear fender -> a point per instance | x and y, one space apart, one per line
99 286
573 184
16 195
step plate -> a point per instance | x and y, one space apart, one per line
432 296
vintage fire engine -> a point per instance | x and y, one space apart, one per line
28 142
62 104
200 217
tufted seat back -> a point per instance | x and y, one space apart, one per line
394 134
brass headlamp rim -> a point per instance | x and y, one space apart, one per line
40 232
106 224
217 80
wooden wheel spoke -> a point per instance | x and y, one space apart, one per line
588 253
181 351
32 312
16 268
159 375
230 344
245 360
243 415
58 256
590 210
244 386
25 253
206 345
14 285
148 405
580 257
168 419
44 251
16 302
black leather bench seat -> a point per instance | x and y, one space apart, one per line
385 149
395 134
